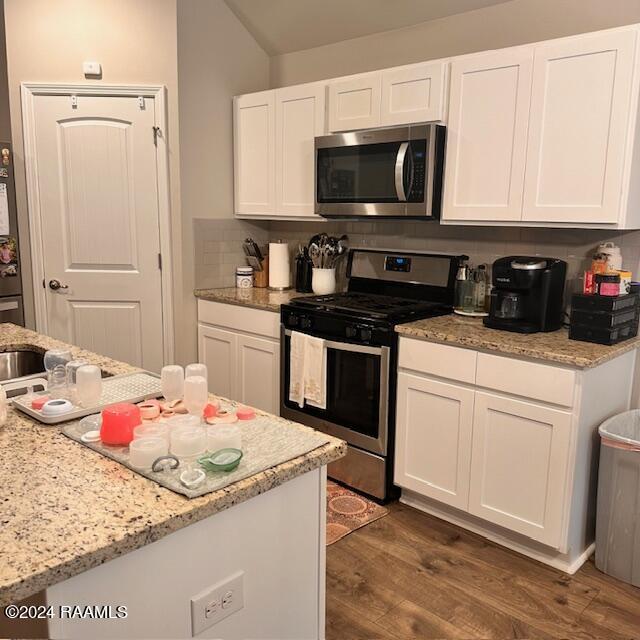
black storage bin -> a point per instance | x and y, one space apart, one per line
592 302
604 319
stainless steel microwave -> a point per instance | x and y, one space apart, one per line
394 173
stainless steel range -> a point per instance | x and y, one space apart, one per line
385 288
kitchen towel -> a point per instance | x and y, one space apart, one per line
307 371
296 368
315 372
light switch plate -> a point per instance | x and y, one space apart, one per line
217 603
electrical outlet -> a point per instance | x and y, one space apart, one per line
216 603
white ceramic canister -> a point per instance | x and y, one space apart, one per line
244 277
323 281
614 257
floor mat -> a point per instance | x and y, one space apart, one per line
348 511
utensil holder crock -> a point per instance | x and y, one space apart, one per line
323 281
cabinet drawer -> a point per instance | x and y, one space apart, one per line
438 360
237 318
528 379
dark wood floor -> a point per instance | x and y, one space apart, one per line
409 575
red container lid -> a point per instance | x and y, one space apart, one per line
118 421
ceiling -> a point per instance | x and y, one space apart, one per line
282 26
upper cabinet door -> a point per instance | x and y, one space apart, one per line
254 153
413 94
578 127
487 136
355 103
300 117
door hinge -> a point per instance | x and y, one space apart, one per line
157 133
160 261
44 284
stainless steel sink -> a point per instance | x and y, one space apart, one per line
18 364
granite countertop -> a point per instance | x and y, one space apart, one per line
554 346
65 508
257 298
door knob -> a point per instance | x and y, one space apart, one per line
54 285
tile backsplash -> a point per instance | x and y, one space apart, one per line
219 250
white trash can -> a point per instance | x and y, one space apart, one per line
618 510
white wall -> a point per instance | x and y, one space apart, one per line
502 25
135 40
217 59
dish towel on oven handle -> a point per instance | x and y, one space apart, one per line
307 371
296 368
315 372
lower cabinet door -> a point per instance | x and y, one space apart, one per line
519 466
217 349
258 375
433 439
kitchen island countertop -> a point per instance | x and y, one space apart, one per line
66 508
555 346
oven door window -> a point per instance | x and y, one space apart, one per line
353 391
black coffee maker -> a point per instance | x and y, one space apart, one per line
527 294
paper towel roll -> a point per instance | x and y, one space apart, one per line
279 270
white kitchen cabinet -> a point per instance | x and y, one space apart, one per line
254 153
300 117
506 446
433 438
241 348
415 93
274 155
258 373
217 348
487 136
519 466
354 103
578 127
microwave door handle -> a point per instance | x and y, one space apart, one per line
400 159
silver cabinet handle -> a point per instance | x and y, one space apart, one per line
55 285
400 158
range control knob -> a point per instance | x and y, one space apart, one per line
305 323
292 320
351 331
365 334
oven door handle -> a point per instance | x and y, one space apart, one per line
399 171
347 346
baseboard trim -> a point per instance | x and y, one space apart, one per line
564 562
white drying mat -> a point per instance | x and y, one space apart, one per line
266 442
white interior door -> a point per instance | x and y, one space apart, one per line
98 192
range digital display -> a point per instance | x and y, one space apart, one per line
397 263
